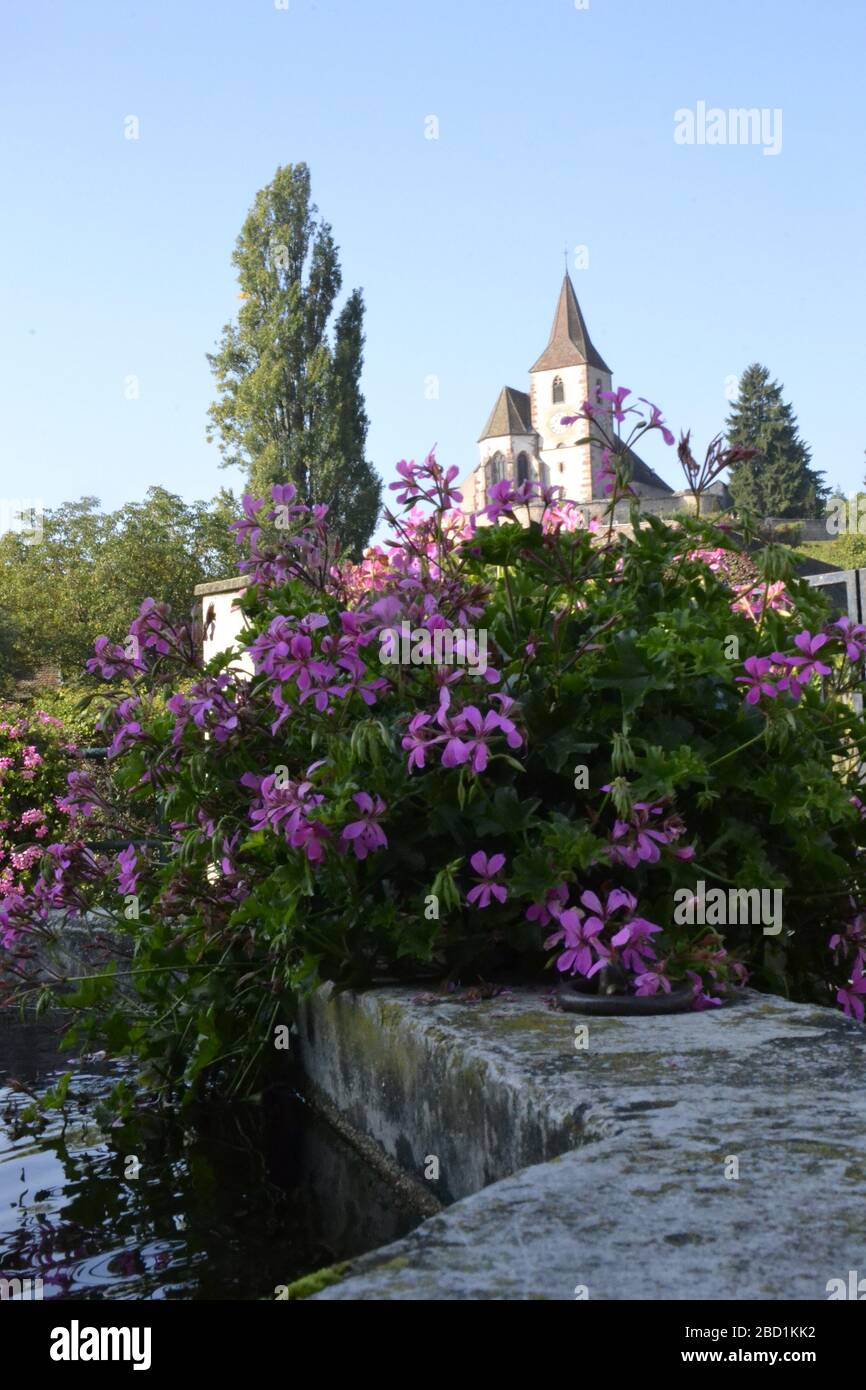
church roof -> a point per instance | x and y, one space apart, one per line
570 343
510 415
642 473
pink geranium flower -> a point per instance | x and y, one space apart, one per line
800 669
853 635
851 996
419 740
554 901
472 735
853 938
651 982
584 954
703 999
757 668
657 422
486 889
632 942
365 835
127 865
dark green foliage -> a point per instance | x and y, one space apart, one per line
780 480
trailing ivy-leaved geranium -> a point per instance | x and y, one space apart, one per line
501 745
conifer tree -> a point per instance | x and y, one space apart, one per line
779 480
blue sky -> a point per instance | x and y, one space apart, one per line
556 127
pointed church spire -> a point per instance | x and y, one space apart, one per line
570 343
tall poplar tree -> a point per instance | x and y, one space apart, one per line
290 407
779 480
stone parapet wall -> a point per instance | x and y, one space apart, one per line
635 1196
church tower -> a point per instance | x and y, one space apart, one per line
509 447
524 438
569 371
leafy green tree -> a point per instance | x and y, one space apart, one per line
779 480
7 650
88 573
290 407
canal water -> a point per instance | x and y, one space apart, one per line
230 1204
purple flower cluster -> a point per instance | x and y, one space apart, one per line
288 808
111 660
506 495
29 769
294 543
850 942
286 652
790 673
426 482
211 704
465 735
81 799
365 835
554 901
16 919
62 887
609 931
153 628
849 946
642 836
123 723
127 870
851 996
309 664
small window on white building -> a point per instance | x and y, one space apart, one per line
522 468
558 391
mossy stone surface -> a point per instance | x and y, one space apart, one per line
607 1167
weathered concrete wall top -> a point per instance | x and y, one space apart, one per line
698 1156
484 1088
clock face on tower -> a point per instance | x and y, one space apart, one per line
554 420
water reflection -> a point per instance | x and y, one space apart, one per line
229 1205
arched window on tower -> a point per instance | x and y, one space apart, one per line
558 391
497 469
522 468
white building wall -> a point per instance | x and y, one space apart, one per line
227 619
